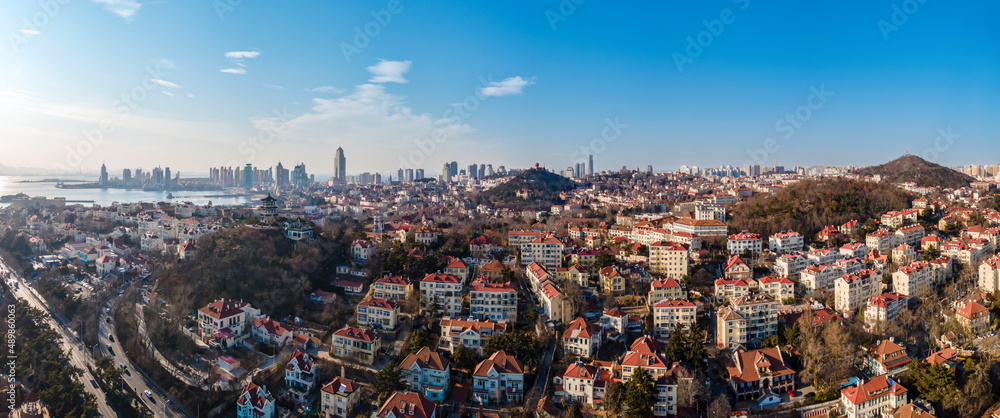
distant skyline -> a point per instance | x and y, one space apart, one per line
193 85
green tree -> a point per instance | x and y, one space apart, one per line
465 358
640 396
522 344
931 253
604 259
696 345
614 398
771 341
677 345
388 380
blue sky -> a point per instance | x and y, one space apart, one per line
508 83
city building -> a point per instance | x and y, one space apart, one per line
726 290
785 242
886 358
339 166
547 251
748 319
255 402
445 290
407 405
667 314
362 249
736 269
779 288
582 338
226 322
973 316
884 308
352 342
392 288
744 241
873 397
754 374
427 372
300 376
853 291
469 333
668 258
497 379
912 279
340 397
493 301
664 289
378 313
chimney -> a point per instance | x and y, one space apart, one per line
342 372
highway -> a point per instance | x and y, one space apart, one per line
71 345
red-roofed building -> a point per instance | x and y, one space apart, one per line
300 376
227 321
493 301
886 358
471 334
754 373
378 313
498 378
356 342
586 383
884 308
255 402
481 247
407 405
457 268
744 241
667 314
362 249
427 372
871 398
669 258
445 289
269 331
392 288
664 289
726 289
779 288
582 338
736 269
340 397
785 241
973 316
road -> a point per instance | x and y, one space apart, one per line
70 343
134 376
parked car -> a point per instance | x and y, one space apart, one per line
148 394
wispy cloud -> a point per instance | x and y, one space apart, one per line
29 32
165 83
389 72
167 93
325 89
242 54
189 95
126 9
507 87
272 86
233 71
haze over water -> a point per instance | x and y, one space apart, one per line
104 197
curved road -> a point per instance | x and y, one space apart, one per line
134 377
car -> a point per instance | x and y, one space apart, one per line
107 310
111 337
108 319
148 394
791 393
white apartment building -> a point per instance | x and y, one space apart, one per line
779 288
819 277
378 313
790 265
668 258
785 242
498 379
910 235
392 288
989 274
445 289
852 291
913 279
884 308
469 333
880 240
428 373
743 241
872 398
493 301
547 251
227 322
668 313
300 376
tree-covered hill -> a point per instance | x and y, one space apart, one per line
543 186
911 168
810 205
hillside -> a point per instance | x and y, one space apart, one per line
810 205
911 168
543 186
257 266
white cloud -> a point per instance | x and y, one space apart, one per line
126 9
167 93
165 83
242 54
378 125
272 86
189 95
29 32
233 71
507 87
389 71
326 89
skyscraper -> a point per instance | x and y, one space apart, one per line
446 172
419 174
590 168
454 168
166 178
473 170
248 176
299 177
409 174
340 166
281 176
126 175
104 175
399 175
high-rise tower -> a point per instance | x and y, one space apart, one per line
340 166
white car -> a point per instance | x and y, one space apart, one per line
148 394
